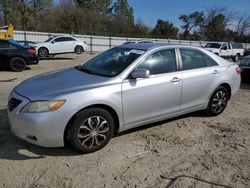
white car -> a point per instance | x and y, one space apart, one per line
60 45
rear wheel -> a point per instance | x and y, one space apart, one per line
78 49
236 58
43 52
17 64
218 101
91 130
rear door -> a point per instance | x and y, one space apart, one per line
70 44
200 75
6 51
3 52
156 96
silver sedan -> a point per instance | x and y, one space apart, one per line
122 88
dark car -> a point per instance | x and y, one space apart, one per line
16 56
27 43
245 68
247 52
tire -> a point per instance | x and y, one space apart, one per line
236 58
17 64
218 101
79 49
43 52
92 130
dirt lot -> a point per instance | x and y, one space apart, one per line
190 151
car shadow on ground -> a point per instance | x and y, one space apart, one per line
55 58
7 69
13 148
176 179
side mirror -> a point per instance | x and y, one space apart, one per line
140 73
52 41
224 48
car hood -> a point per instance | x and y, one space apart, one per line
57 83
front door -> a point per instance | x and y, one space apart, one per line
156 96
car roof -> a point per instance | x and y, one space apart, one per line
149 46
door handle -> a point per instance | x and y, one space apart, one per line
216 72
175 79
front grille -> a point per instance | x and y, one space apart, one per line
13 103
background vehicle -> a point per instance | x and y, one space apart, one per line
15 56
226 50
120 89
245 68
247 52
140 41
27 43
60 45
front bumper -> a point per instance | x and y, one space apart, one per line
44 129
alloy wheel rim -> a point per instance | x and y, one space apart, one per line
18 65
219 101
43 52
78 50
93 132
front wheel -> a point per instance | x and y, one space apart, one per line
91 130
218 101
43 52
236 58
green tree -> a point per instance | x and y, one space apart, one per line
191 21
216 28
164 29
40 8
122 21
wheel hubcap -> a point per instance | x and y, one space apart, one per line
43 52
78 50
219 102
93 132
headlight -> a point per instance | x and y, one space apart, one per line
42 106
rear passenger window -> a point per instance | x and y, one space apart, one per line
160 62
192 59
209 61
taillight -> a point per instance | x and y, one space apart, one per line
238 70
32 51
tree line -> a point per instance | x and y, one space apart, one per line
116 18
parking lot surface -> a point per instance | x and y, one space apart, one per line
189 151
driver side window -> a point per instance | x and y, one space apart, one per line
163 61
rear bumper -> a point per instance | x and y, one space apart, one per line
34 60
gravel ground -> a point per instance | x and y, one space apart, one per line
188 151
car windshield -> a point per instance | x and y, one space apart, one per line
212 45
49 39
111 62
